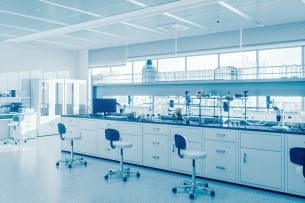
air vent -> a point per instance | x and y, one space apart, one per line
174 27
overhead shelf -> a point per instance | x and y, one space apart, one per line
263 87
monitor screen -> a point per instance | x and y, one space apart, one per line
104 105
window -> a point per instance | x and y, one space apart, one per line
171 69
201 67
278 63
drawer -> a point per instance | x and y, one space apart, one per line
69 120
130 128
193 134
155 129
295 141
220 134
265 141
108 124
87 124
155 151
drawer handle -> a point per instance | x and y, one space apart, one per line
156 129
221 167
220 134
156 143
173 149
245 158
107 149
220 151
156 157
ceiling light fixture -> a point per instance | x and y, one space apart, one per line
31 17
238 12
70 8
141 27
137 3
183 20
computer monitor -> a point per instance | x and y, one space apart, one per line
103 106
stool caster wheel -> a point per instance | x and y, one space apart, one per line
138 174
191 196
70 165
206 185
212 193
174 190
124 179
85 163
57 164
106 177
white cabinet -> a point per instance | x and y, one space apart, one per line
103 146
194 136
29 126
262 159
71 131
295 183
221 148
132 132
155 145
88 132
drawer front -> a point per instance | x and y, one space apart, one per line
155 129
87 124
110 124
265 141
130 128
155 151
69 120
295 141
220 134
221 160
193 134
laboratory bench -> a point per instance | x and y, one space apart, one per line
25 125
256 156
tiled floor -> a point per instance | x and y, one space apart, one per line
31 176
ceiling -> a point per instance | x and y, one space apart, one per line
91 24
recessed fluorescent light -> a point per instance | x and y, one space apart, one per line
70 8
238 12
182 20
137 3
303 1
141 27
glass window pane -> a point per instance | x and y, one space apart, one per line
201 67
171 69
279 57
238 59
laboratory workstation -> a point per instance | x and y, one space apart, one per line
126 101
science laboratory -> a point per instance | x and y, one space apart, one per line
152 101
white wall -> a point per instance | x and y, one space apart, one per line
19 62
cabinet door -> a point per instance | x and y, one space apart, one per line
103 146
261 167
88 131
295 181
194 136
262 159
132 133
87 144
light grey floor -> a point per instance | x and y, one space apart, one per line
28 174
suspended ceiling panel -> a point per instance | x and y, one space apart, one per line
80 24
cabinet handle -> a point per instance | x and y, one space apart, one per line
220 151
220 134
173 150
107 149
221 167
156 157
245 158
156 142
